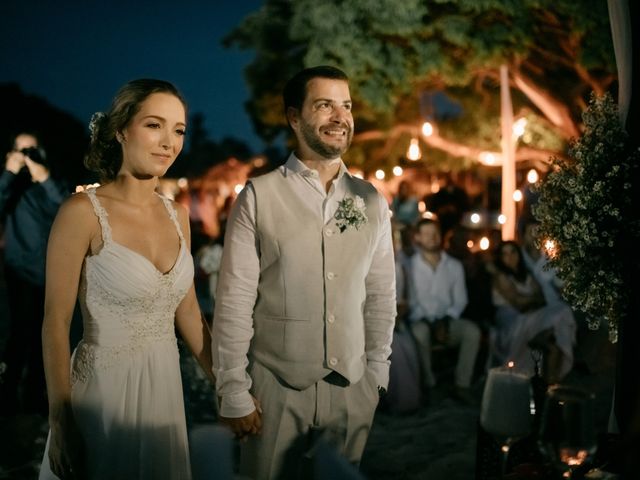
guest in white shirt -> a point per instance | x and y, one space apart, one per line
437 298
305 305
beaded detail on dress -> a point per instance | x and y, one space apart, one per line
127 304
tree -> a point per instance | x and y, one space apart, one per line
400 53
63 137
203 153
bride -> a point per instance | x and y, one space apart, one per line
116 405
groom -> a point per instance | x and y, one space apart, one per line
305 306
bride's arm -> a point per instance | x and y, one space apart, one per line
192 326
69 241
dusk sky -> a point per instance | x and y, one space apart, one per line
76 54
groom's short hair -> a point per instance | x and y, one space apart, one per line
295 89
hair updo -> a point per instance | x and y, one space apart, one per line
105 152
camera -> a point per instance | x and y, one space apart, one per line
36 154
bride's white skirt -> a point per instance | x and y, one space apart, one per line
129 407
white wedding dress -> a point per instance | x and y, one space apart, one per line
126 385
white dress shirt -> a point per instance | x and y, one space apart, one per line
436 292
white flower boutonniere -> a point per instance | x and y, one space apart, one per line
350 213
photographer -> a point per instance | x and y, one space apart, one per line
29 201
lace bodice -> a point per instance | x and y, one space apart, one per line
126 301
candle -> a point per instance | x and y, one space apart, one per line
505 410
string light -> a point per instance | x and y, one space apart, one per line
488 158
518 127
414 153
517 195
427 129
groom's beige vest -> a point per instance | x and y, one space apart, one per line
308 316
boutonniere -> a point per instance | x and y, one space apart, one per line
350 213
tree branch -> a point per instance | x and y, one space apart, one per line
455 149
557 112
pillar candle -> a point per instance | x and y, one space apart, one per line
505 411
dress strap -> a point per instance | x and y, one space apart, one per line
102 215
173 215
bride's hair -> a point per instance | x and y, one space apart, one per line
105 153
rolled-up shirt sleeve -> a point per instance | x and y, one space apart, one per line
380 304
235 299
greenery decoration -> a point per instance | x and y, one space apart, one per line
586 208
351 213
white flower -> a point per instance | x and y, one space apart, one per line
350 213
586 206
96 118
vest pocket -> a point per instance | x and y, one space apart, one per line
287 338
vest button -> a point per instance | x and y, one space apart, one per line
333 361
331 319
331 275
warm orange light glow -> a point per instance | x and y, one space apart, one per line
573 457
517 195
414 153
550 247
488 158
518 127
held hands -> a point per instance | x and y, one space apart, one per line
66 447
250 424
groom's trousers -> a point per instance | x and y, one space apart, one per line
292 418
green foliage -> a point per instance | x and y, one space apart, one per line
393 50
586 207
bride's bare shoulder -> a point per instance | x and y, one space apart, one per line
78 212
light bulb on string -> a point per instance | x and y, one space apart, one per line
413 152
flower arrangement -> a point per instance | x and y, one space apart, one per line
586 207
350 213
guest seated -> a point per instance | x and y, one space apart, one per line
404 249
480 308
437 298
525 321
535 258
405 206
